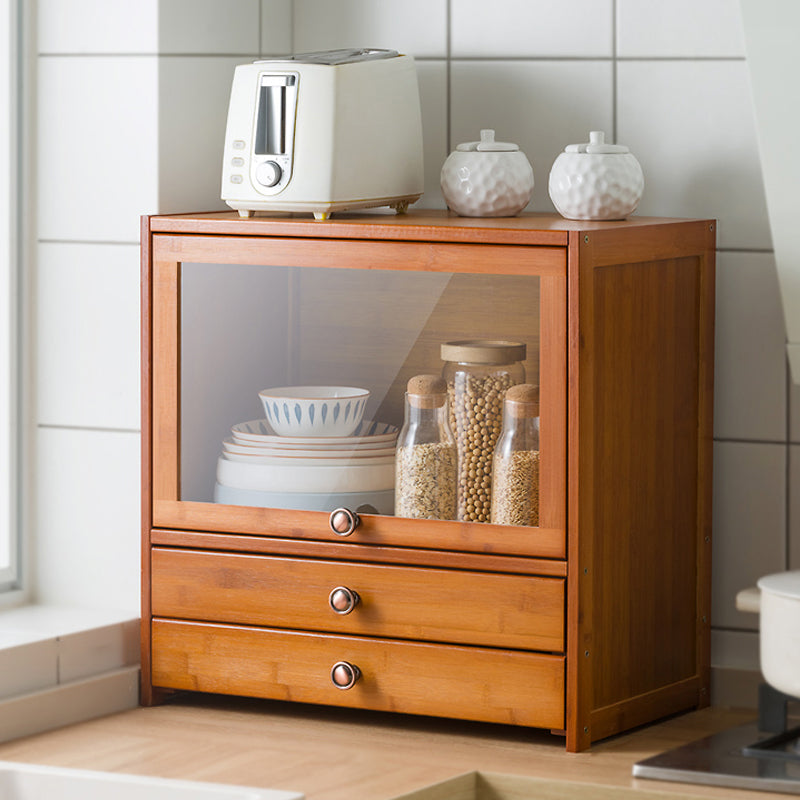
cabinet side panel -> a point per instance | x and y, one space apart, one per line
645 341
146 445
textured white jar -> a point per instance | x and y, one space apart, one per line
596 181
487 178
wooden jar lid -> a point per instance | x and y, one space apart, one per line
427 391
483 351
522 400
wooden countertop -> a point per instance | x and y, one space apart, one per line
335 754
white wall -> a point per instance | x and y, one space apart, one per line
670 80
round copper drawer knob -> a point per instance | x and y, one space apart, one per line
343 521
344 675
343 600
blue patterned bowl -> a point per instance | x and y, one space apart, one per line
314 410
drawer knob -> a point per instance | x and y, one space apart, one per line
343 600
344 675
343 521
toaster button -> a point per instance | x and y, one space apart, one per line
268 173
237 162
238 144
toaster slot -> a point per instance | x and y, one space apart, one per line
274 135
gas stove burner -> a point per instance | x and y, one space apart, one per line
785 746
720 760
763 755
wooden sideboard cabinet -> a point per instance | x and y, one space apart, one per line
593 622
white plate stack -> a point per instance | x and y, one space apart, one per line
314 473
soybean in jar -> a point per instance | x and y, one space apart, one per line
478 373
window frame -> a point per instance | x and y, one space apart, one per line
11 166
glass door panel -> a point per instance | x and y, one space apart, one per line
245 328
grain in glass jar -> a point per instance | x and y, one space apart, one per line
425 460
515 478
478 373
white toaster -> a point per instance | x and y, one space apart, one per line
324 132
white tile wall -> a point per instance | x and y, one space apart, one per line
415 27
97 26
192 132
432 78
539 105
88 344
794 507
531 28
87 488
749 524
209 26
151 26
690 124
97 146
276 27
125 130
750 365
679 28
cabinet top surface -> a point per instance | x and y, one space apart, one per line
420 225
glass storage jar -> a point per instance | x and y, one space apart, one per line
478 373
515 471
425 460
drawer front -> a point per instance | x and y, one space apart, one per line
511 611
501 686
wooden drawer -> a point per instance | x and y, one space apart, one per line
437 605
474 683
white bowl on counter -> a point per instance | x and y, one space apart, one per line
314 410
284 477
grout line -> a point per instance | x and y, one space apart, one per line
583 58
729 629
448 75
147 55
93 428
787 467
614 71
200 54
765 250
780 442
123 243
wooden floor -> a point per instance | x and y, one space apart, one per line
332 754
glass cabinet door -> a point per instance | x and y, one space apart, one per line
280 377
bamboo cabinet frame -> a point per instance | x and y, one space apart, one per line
607 603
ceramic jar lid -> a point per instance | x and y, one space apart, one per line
487 144
596 146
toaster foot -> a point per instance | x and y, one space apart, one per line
245 212
322 215
401 206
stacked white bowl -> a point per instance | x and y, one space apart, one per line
313 451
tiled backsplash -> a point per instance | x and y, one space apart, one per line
132 113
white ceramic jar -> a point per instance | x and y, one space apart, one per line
596 181
487 178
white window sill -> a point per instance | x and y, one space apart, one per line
61 665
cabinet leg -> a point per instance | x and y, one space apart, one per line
153 696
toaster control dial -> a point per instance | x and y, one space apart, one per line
268 173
